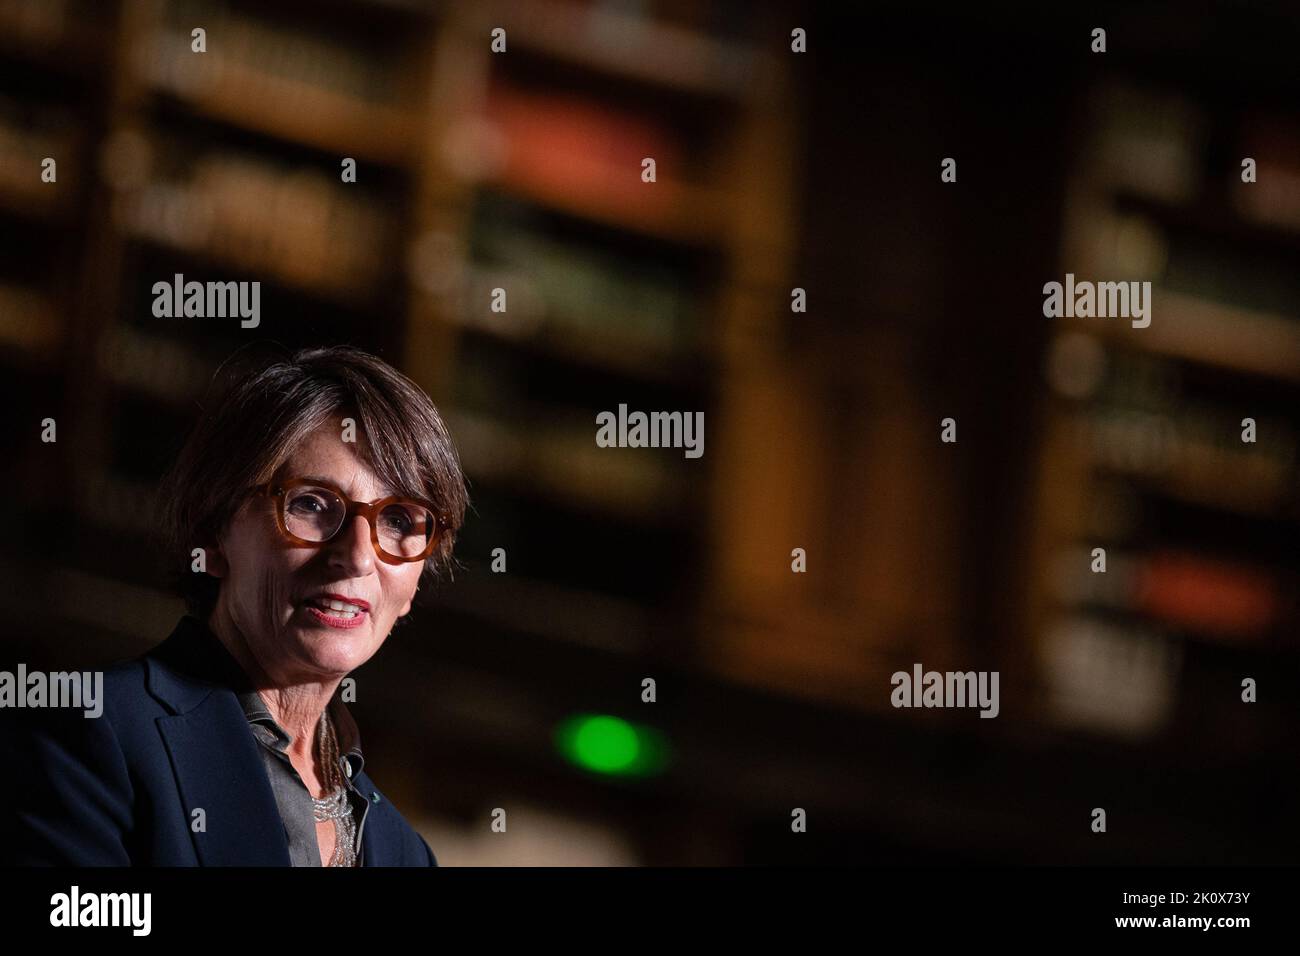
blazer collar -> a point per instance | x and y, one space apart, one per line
184 669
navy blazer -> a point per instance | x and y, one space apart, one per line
119 789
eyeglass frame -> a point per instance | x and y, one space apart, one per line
351 508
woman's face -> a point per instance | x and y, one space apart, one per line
269 587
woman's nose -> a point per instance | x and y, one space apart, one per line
351 550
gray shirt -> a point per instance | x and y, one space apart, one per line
291 794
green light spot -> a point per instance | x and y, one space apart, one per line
606 744
610 745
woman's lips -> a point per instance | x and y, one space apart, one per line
335 619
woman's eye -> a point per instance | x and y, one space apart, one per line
306 504
397 522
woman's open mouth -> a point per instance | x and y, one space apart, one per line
336 613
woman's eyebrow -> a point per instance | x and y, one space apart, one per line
384 490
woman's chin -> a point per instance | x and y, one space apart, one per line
336 649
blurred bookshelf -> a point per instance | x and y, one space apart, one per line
479 171
1143 452
475 172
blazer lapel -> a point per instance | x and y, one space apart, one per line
219 771
213 754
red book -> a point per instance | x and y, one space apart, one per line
1208 596
582 153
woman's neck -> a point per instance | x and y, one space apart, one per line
296 704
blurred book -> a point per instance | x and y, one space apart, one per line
1196 593
575 154
1114 679
564 463
292 223
1197 454
559 143
293 58
577 292
287 80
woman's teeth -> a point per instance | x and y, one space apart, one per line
341 608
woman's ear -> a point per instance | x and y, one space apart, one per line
217 565
406 608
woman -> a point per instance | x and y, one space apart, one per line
309 502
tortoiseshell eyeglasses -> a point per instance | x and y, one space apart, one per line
311 512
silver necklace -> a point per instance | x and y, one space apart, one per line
335 804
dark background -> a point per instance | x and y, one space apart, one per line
776 170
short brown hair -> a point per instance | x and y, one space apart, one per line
261 408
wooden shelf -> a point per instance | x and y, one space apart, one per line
167 372
1125 617
1211 218
615 44
1232 498
551 467
610 354
692 215
1198 330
